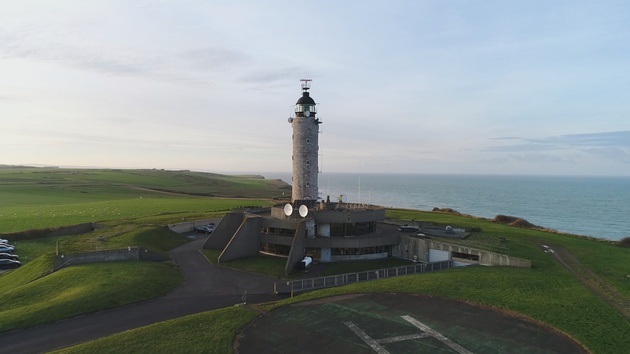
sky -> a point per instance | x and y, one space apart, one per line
462 87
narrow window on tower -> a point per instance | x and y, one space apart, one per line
308 162
308 140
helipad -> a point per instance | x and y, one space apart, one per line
396 324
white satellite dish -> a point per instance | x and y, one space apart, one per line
307 113
303 210
288 209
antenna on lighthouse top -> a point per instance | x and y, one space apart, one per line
306 84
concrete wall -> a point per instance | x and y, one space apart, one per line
360 257
297 248
224 231
349 216
127 254
189 226
410 246
41 233
353 241
245 242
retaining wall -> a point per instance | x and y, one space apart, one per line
41 233
127 254
414 246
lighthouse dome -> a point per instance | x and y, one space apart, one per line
305 99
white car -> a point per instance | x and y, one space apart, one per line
4 240
6 249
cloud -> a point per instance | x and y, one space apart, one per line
579 150
617 139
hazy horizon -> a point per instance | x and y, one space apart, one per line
499 88
288 172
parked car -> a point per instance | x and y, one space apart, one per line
4 240
205 229
9 264
6 249
9 256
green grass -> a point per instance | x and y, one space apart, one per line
79 289
29 250
546 293
37 268
157 239
38 216
551 298
267 265
212 255
35 198
57 186
208 332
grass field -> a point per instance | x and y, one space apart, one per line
208 332
547 292
132 207
35 198
79 289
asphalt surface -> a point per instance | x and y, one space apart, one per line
390 323
206 287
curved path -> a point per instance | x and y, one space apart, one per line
205 287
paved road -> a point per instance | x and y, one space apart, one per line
205 288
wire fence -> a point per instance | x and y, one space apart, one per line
296 286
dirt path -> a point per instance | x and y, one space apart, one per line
592 281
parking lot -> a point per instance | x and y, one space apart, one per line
8 259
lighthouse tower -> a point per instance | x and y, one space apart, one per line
305 147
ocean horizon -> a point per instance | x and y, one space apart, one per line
581 205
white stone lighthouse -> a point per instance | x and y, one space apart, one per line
305 147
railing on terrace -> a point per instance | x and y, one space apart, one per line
359 206
295 286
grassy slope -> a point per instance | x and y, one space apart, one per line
208 332
82 289
42 198
157 239
32 295
557 300
35 198
602 257
546 293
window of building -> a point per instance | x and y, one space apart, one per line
270 248
359 250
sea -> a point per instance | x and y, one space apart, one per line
589 206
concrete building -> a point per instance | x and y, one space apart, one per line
327 231
324 230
